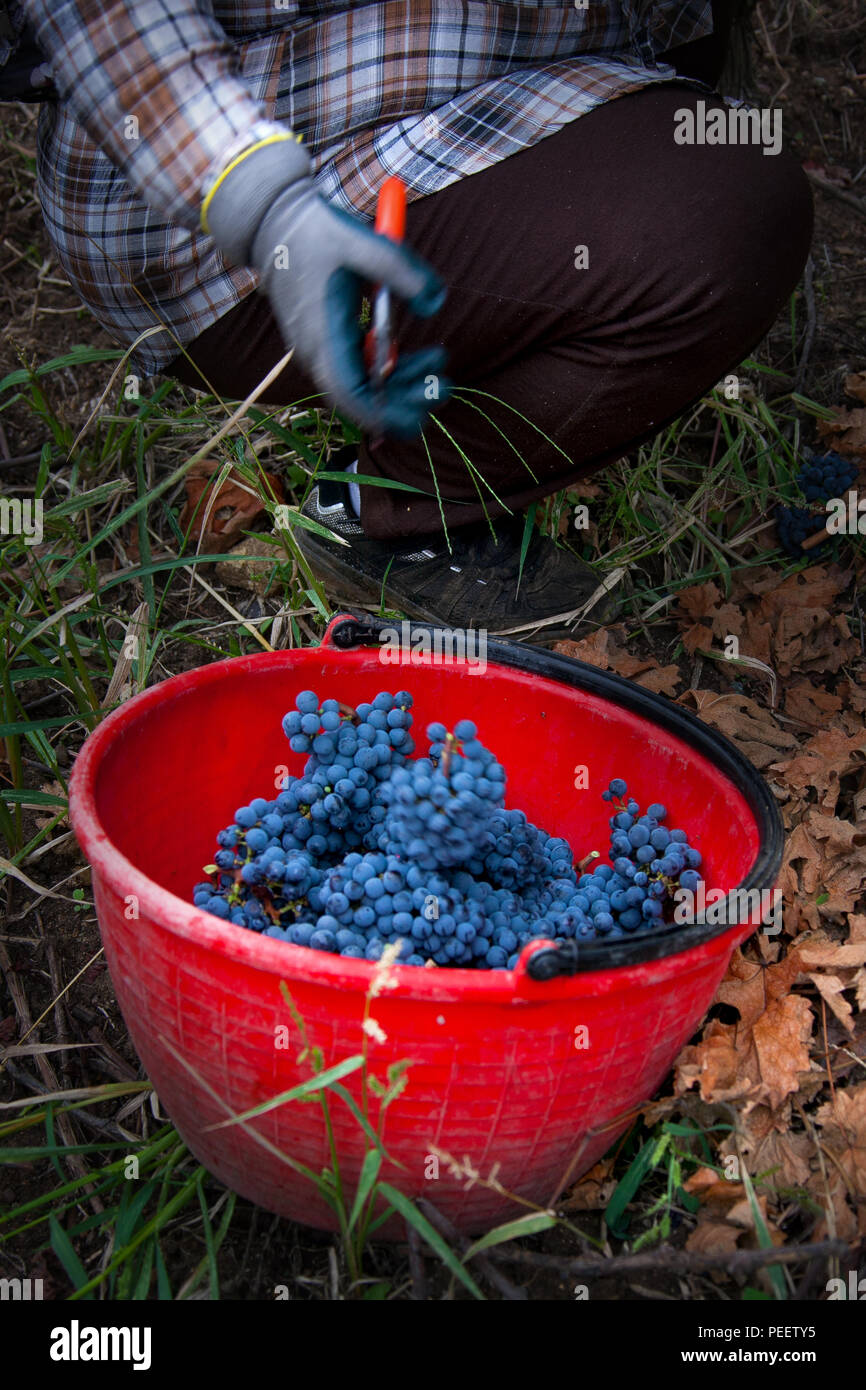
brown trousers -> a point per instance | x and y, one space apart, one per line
691 251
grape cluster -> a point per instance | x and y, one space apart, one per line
439 807
821 476
826 475
794 525
368 847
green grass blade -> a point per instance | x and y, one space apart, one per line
512 1230
306 1088
210 1246
38 1154
132 1204
366 1181
163 1283
628 1186
77 357
83 501
379 1220
141 1288
777 1278
410 1213
528 525
156 1223
367 480
348 1099
34 798
62 1247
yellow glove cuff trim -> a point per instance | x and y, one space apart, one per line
271 140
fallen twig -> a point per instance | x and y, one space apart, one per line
504 1286
416 1265
859 204
671 1261
105 1128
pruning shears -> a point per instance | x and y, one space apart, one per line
380 352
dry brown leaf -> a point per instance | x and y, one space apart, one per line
853 693
843 1132
830 988
591 649
747 723
699 601
701 1180
781 1036
602 648
713 1238
713 1191
810 704
846 432
662 680
771 1148
762 1056
857 926
249 565
750 584
594 1190
744 988
819 766
710 619
224 514
823 855
743 1215
806 634
750 987
627 664
698 635
758 639
815 587
843 955
718 1066
728 621
584 488
832 1190
812 639
855 386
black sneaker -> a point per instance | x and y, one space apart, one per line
474 585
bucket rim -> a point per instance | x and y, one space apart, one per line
677 945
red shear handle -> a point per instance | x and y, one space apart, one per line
390 222
391 209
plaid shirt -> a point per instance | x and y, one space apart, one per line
158 95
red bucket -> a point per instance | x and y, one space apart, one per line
532 1077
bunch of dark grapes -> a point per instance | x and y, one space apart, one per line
652 860
519 855
794 525
821 476
367 848
826 475
439 807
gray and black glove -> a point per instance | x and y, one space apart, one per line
314 262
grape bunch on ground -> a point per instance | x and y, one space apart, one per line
370 846
820 477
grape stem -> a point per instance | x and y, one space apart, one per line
811 541
447 754
587 859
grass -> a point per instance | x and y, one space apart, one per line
118 597
129 1199
114 599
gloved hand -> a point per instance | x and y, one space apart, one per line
314 260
